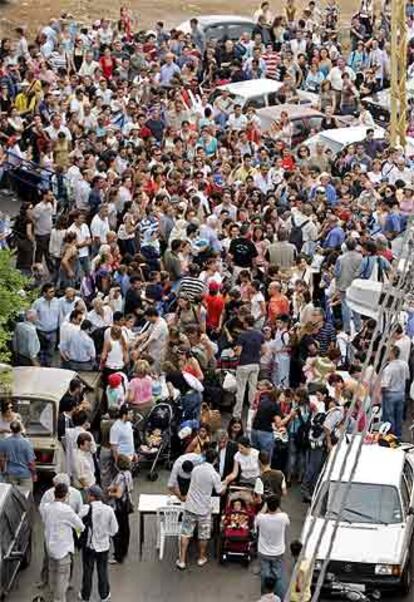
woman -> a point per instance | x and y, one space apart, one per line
298 425
140 396
262 427
24 233
114 353
107 63
69 264
246 464
327 97
235 429
189 387
8 415
200 442
120 492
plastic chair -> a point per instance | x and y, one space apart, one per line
168 525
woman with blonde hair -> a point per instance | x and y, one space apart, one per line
140 388
114 356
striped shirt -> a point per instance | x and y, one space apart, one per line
193 287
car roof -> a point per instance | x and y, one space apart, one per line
46 383
293 111
252 87
4 490
206 20
375 465
345 136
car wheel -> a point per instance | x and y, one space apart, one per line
28 555
405 584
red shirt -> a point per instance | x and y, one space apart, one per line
215 307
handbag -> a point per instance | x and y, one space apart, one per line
230 383
210 417
82 540
124 503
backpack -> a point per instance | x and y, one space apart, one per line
296 234
316 432
301 436
82 540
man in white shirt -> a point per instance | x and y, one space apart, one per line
88 66
83 239
393 387
237 121
103 526
83 464
100 226
197 508
60 520
121 436
271 525
74 500
180 476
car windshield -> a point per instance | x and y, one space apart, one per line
37 416
365 503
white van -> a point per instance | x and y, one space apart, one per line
372 545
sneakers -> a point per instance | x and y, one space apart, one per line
108 597
202 561
81 599
113 561
180 565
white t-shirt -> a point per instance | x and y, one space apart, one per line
82 234
249 465
272 529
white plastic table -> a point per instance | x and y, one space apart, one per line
149 503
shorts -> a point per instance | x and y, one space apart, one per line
191 521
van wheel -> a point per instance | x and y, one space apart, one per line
405 584
28 555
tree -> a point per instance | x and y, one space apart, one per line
13 299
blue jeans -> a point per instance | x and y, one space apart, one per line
191 403
47 342
263 441
273 566
393 403
316 459
280 376
297 461
347 314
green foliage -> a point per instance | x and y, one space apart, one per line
13 299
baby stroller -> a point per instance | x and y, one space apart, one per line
153 437
237 526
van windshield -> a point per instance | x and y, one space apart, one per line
36 415
365 503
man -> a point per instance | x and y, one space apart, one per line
17 458
74 500
155 338
26 345
271 482
346 269
121 436
271 525
60 521
80 425
78 350
197 509
47 323
83 464
179 481
243 252
172 261
169 71
100 227
393 387
226 452
190 284
281 253
83 239
43 220
248 348
103 526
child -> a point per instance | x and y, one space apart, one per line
238 519
116 389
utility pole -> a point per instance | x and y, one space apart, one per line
398 73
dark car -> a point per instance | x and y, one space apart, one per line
221 27
15 535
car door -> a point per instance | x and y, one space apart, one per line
217 32
9 565
235 30
407 494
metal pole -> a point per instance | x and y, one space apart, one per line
398 73
394 73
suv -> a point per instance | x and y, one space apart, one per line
221 27
372 545
36 394
16 535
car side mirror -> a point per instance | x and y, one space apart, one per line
14 556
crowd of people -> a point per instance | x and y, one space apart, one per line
184 256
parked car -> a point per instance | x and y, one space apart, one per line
372 545
259 93
221 27
339 139
36 393
16 535
304 120
379 105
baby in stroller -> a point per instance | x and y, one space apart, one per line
237 526
153 440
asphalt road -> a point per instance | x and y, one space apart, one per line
151 580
